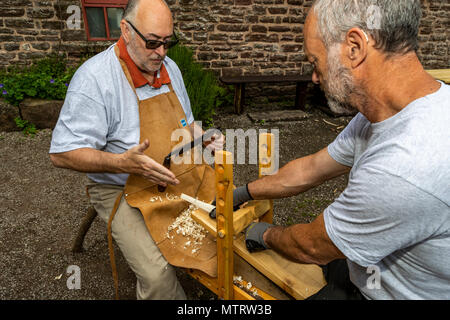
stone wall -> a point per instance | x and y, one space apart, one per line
236 37
228 36
32 29
434 36
231 37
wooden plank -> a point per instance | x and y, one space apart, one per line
241 218
298 280
441 74
266 290
206 280
224 218
240 294
266 160
202 217
252 211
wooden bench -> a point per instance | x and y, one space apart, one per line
239 83
441 74
268 274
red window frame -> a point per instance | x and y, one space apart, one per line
101 4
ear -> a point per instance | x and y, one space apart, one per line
124 28
357 46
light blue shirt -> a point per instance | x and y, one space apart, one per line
394 215
101 110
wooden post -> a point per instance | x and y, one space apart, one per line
239 98
84 228
266 160
300 96
224 218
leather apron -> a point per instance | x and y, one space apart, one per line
159 117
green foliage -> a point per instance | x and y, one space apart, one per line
202 85
28 129
47 78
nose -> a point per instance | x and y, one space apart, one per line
315 78
161 51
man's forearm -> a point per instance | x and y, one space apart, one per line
298 176
292 179
89 161
282 240
303 243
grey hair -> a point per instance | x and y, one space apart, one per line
393 24
130 10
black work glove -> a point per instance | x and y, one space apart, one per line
240 195
254 236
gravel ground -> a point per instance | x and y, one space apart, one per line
42 208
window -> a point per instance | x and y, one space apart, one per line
102 18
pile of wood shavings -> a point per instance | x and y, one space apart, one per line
187 227
237 280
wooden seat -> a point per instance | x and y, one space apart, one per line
86 223
273 276
239 83
299 281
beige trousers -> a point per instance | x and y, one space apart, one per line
156 279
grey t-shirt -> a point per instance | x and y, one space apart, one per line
392 222
101 110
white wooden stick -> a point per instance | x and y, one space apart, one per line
200 204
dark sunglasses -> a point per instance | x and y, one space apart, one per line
154 44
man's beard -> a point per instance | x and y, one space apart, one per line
339 85
143 62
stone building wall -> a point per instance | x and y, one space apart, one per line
231 37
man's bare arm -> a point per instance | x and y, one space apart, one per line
133 161
298 176
304 243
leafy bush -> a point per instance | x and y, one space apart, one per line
28 129
202 85
47 78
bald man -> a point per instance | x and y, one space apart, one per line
98 132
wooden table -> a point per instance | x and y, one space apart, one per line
239 83
441 74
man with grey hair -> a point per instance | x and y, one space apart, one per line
116 123
387 236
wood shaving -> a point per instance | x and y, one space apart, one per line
237 280
327 122
187 227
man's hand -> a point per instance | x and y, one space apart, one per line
139 163
254 236
240 196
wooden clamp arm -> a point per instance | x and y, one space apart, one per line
241 218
